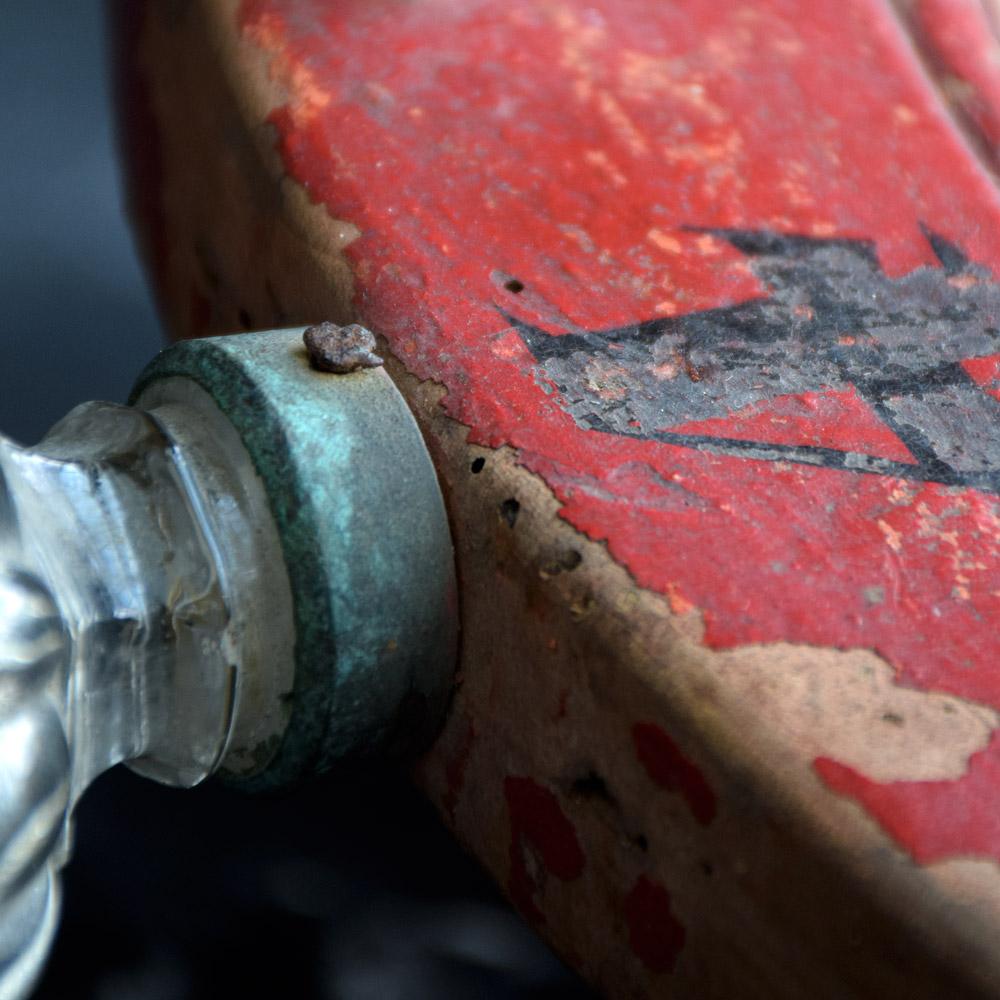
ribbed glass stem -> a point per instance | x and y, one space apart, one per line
130 548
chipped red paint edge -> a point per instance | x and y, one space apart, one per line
670 769
474 142
543 839
655 935
911 811
539 827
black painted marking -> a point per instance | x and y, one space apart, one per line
833 319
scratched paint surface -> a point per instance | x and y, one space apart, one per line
568 168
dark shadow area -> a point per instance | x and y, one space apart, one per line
348 888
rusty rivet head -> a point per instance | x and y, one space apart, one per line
340 349
364 539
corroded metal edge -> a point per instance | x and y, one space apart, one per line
365 540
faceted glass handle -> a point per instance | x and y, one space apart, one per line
120 627
222 576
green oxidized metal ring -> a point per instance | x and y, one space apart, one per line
364 534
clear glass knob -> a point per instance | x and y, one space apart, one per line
131 549
248 571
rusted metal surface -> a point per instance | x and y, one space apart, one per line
696 304
340 349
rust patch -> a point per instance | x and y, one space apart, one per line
341 349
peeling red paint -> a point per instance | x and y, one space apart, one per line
539 829
911 811
422 124
656 936
670 769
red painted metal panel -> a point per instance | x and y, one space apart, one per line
634 175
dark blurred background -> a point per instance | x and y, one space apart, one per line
348 888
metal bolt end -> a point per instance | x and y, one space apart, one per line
340 349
